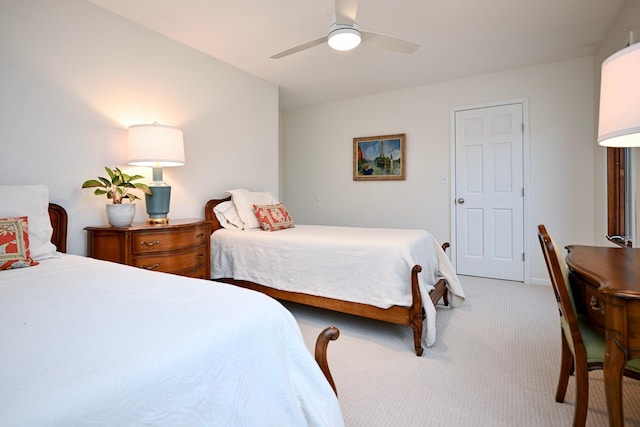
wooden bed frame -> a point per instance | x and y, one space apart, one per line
59 220
413 315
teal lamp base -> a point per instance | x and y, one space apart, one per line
158 204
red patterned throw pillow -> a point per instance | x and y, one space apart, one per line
14 243
273 217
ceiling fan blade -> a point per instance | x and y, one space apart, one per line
388 42
299 48
346 11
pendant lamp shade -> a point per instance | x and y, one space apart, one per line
619 120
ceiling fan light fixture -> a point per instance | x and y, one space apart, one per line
344 38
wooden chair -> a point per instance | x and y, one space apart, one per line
583 347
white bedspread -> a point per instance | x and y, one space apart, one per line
365 265
91 343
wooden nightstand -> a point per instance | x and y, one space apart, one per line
180 247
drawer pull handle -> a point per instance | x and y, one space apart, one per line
596 304
200 236
149 267
200 256
155 242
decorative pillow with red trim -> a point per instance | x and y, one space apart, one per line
273 217
244 200
14 243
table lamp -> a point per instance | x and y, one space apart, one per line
156 146
619 122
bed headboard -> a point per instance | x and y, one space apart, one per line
59 221
210 216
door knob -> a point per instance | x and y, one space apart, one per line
461 200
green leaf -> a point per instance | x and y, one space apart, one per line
110 172
144 188
91 183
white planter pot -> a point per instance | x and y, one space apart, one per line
121 215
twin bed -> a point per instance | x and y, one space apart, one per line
392 275
88 342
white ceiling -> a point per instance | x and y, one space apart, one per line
458 38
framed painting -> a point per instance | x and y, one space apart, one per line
379 158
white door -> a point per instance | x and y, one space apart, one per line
489 193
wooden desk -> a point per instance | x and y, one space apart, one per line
608 282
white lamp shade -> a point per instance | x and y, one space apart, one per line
619 122
344 38
156 146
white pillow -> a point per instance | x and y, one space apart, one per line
227 215
244 200
31 201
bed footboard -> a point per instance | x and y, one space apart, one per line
411 316
416 311
328 334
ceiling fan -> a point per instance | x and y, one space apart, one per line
344 34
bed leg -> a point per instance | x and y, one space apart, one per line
328 334
416 311
445 296
416 325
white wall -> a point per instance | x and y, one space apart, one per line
317 154
73 77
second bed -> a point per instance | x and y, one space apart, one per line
393 275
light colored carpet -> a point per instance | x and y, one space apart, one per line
495 363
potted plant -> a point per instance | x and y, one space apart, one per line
117 188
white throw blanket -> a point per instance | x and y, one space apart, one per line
456 294
365 265
93 343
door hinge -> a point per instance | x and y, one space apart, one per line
522 191
522 127
523 256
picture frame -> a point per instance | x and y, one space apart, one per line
377 158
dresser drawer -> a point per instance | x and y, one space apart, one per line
178 261
588 301
148 242
201 272
594 308
180 247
